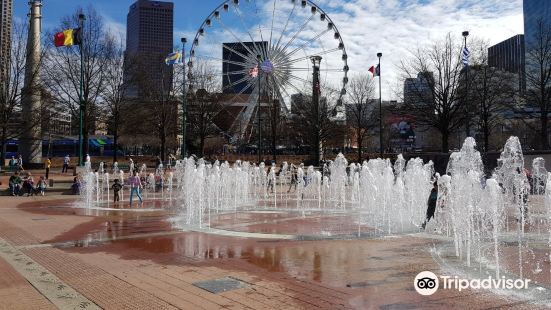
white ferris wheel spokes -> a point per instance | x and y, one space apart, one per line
268 43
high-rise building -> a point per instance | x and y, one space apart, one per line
6 12
509 56
417 90
149 39
535 11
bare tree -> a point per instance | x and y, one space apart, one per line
491 91
276 120
314 129
360 108
538 78
62 69
434 96
157 112
205 103
115 94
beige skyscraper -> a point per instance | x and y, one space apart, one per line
6 12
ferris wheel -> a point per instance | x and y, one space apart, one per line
262 50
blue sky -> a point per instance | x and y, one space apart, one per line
116 10
393 27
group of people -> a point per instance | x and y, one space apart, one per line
16 164
20 186
135 184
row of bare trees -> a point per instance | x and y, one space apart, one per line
107 97
450 97
13 72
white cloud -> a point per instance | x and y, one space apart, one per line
393 27
115 28
396 27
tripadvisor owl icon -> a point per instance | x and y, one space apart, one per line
426 283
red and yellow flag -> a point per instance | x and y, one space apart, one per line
68 37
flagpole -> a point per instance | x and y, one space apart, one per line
379 55
184 99
82 106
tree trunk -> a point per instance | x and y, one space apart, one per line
359 142
486 136
115 142
4 142
163 146
202 145
544 143
274 137
445 141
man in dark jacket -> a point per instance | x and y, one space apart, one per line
431 204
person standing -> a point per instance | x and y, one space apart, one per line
158 162
431 204
135 185
293 172
13 164
41 186
116 187
48 164
66 162
20 163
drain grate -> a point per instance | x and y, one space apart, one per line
221 285
366 283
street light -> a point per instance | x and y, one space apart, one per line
184 98
316 61
465 34
379 55
259 59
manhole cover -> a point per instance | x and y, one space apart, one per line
221 285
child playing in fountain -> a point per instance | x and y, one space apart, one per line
135 185
431 204
116 187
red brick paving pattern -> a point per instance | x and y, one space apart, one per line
17 293
157 273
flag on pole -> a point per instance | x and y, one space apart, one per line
68 37
173 58
465 56
253 72
375 70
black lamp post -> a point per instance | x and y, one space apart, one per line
82 104
379 55
316 61
259 150
184 99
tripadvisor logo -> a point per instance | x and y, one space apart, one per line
427 283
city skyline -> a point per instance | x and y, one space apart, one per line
414 24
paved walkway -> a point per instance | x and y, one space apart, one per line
52 257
